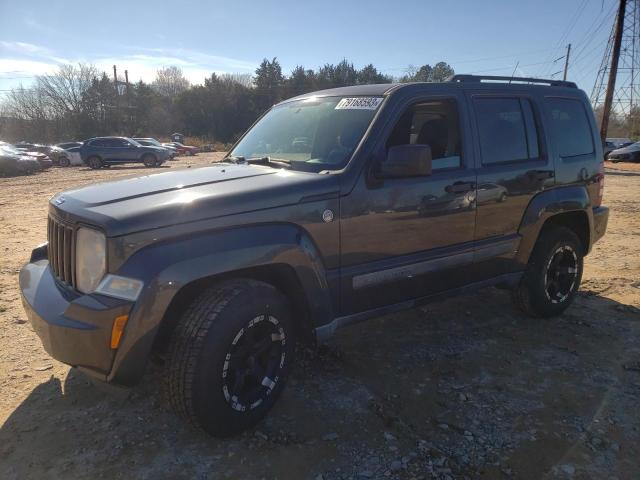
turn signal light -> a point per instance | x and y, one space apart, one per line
117 330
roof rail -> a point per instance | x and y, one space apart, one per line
480 78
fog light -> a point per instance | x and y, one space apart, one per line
120 287
117 330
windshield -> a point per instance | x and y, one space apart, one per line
11 149
313 134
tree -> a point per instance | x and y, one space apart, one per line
370 74
170 82
269 81
440 72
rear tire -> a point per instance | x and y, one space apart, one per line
553 274
229 356
95 163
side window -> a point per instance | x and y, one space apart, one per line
434 123
507 130
570 127
98 143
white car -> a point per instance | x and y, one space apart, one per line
71 156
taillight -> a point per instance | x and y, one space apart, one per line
599 180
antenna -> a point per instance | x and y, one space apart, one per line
514 70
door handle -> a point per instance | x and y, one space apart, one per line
460 187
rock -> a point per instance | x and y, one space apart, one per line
42 368
261 435
389 437
319 477
443 426
568 469
396 466
366 474
330 437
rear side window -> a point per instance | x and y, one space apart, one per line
507 130
570 127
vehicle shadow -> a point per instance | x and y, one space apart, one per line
127 167
469 383
622 173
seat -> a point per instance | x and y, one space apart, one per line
435 133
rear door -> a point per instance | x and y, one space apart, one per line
514 166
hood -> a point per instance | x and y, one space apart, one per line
627 149
181 196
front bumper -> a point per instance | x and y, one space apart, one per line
600 220
74 328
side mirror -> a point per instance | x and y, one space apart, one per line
406 161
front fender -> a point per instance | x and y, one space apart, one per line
544 206
166 267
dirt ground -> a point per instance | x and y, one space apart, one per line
464 388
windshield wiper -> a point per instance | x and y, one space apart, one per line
274 162
266 160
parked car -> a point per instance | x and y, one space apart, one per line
43 159
57 155
72 157
14 162
152 142
630 153
103 151
220 270
67 145
613 144
185 149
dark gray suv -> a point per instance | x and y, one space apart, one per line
103 151
335 207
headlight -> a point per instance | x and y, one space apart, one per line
91 259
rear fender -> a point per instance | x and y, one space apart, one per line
544 206
168 266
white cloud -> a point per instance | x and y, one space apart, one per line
20 59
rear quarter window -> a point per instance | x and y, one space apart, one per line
569 126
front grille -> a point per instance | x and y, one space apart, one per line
61 251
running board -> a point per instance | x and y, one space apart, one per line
324 332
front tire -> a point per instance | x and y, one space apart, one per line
229 356
149 160
553 274
64 162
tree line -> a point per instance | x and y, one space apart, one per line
79 101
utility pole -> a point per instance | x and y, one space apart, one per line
126 79
613 72
115 85
566 62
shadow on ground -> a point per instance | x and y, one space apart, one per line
462 388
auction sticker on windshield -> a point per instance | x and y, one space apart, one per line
359 103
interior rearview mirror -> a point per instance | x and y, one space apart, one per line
406 161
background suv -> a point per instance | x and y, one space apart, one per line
101 151
152 142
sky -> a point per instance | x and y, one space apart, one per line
493 37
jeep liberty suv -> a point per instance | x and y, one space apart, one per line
336 206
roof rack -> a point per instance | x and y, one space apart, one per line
480 78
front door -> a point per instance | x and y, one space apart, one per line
404 238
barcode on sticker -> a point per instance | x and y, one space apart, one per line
359 103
